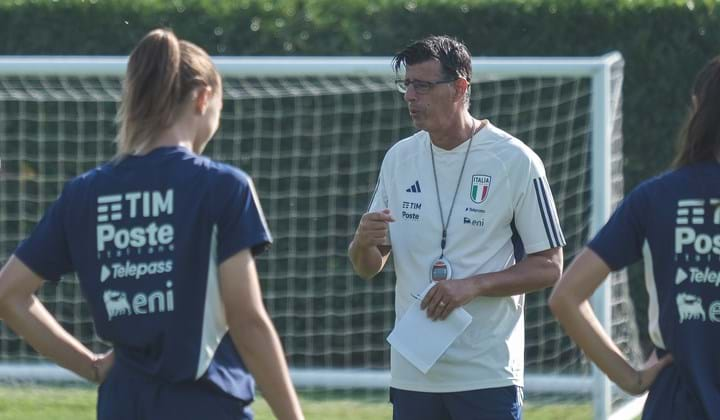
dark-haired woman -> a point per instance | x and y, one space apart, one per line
672 222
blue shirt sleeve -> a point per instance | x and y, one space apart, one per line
619 243
47 251
242 224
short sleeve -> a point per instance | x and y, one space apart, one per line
47 251
379 200
619 243
242 224
535 216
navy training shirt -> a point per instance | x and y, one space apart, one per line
146 236
673 222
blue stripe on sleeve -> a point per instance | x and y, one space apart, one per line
539 196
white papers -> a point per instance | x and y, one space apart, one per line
421 340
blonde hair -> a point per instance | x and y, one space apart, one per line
161 71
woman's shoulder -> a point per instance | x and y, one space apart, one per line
226 172
676 183
684 177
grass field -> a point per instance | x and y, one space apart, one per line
78 403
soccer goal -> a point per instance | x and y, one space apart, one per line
312 132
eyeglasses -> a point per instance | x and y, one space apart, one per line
420 86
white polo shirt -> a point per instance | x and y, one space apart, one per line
503 205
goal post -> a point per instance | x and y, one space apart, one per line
312 132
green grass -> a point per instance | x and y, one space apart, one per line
78 403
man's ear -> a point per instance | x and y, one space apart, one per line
202 99
461 87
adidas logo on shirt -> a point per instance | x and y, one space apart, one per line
414 187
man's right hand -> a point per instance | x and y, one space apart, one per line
370 248
372 231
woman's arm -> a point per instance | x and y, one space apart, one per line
23 312
569 304
254 335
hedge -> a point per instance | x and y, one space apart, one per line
664 42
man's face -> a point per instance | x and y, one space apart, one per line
429 108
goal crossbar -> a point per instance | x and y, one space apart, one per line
320 66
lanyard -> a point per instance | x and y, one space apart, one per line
446 222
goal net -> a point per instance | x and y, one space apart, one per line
312 132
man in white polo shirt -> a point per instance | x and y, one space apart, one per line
465 205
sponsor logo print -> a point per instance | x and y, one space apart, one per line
411 205
698 275
479 188
687 239
104 273
691 218
414 188
117 302
408 215
690 212
689 307
135 270
473 222
714 311
131 205
680 276
109 208
135 222
136 237
473 210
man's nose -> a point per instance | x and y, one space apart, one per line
410 94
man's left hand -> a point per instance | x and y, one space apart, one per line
447 295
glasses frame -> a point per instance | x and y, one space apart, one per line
421 86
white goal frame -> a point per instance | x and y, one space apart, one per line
598 69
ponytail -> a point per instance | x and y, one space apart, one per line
161 71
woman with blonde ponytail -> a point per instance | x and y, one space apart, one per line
163 242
